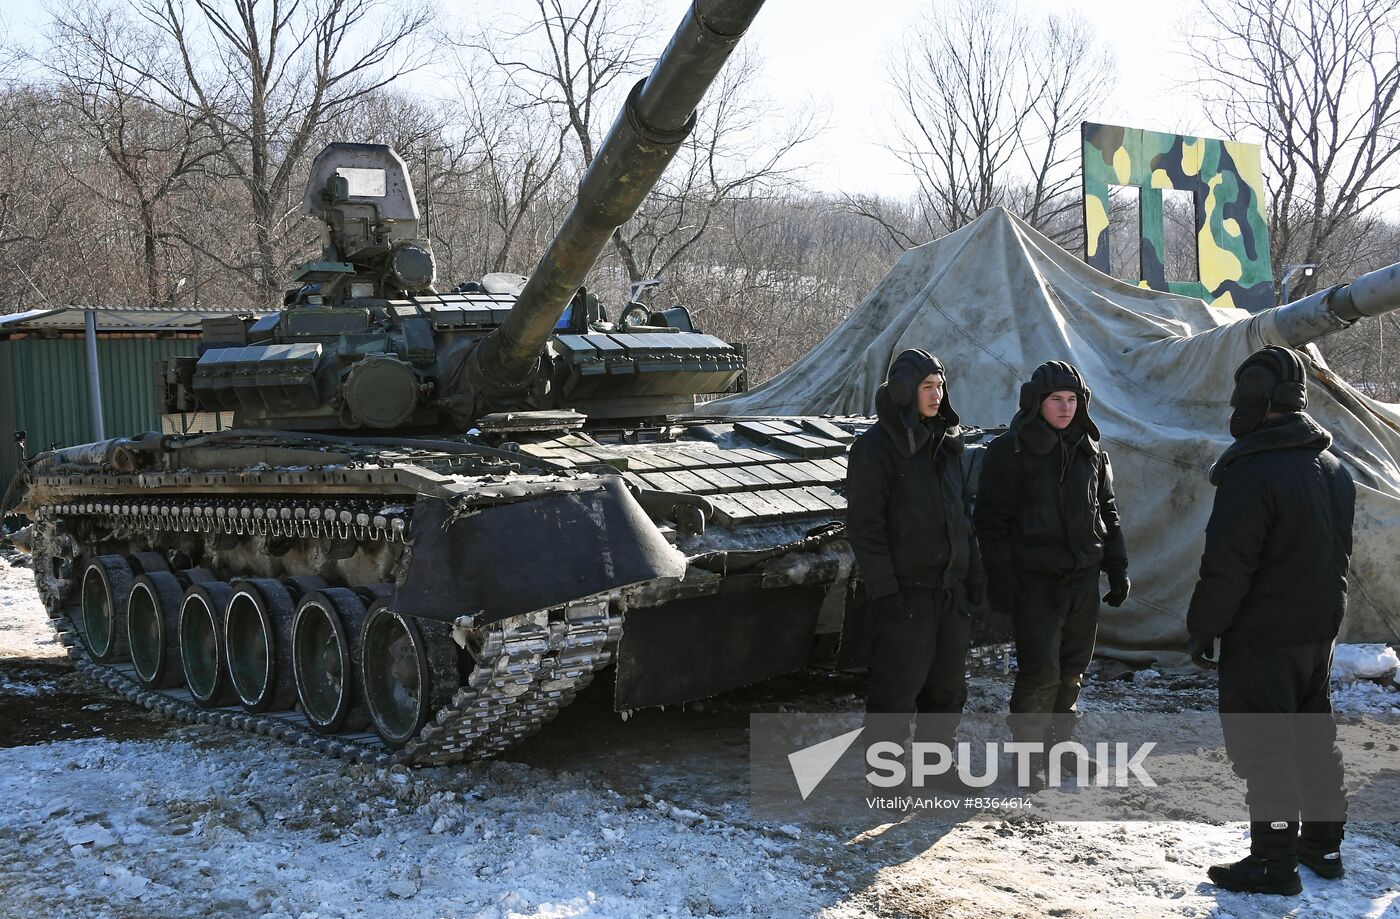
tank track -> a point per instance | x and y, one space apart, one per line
526 668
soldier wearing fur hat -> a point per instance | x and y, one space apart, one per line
908 523
1272 589
1047 521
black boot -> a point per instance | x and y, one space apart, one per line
1254 874
1323 857
1272 866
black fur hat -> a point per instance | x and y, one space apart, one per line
907 371
1054 376
897 404
1271 379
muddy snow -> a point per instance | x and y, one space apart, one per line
107 811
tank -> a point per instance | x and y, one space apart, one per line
430 519
424 521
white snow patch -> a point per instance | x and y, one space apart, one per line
1364 662
234 828
24 625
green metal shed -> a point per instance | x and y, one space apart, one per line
45 388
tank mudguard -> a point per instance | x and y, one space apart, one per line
697 647
534 552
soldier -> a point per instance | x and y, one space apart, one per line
909 525
1047 521
1273 589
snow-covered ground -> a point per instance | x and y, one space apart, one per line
24 629
596 818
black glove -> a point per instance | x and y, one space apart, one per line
1118 587
890 606
1199 648
976 592
1001 594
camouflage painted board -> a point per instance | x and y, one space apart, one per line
1227 185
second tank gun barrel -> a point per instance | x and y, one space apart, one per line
1316 315
656 119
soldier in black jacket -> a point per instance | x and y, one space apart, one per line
908 523
1273 589
1047 523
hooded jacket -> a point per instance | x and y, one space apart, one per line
907 506
1279 539
1045 500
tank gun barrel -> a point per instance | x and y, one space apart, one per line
1373 294
658 116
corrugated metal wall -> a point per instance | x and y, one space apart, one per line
43 390
7 422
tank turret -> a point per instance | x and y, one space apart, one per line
364 341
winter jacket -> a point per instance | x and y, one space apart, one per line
1045 504
907 506
1278 542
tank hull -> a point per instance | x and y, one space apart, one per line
695 557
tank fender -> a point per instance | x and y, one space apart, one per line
532 552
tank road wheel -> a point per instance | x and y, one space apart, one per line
152 624
202 643
325 647
257 644
106 584
409 668
149 562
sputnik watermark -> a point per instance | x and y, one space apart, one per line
1112 765
811 764
834 768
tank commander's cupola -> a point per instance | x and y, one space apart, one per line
370 247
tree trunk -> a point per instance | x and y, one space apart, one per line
148 233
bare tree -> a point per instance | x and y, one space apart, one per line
518 155
39 204
566 59
570 60
1124 234
739 150
152 153
990 102
404 121
1317 80
573 60
776 274
266 76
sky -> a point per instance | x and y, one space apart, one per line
815 49
817 54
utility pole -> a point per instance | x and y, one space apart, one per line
94 376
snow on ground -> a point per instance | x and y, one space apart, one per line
197 825
1032 868
595 818
1364 662
1366 697
24 628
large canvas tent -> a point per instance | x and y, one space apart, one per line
996 298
